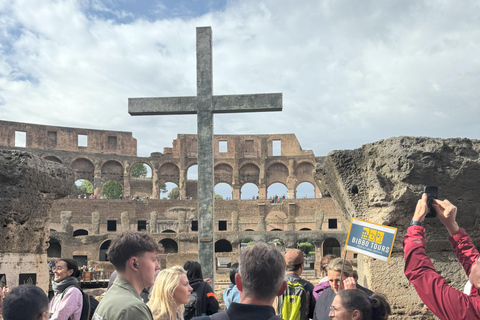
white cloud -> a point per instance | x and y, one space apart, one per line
350 72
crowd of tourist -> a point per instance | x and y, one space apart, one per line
264 284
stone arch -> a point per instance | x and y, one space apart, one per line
169 245
223 245
115 188
149 170
304 171
54 248
169 172
305 189
305 229
141 186
52 158
192 172
223 173
168 231
276 229
103 250
169 187
83 169
224 189
80 232
277 172
249 173
279 189
249 230
248 191
112 170
331 246
82 188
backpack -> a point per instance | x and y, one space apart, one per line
89 304
294 301
194 306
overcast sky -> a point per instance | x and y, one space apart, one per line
351 72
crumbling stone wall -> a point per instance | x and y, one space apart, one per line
28 186
382 181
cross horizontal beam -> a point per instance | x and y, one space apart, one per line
221 104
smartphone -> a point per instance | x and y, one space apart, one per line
432 193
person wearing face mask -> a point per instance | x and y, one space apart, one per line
170 293
334 269
67 302
25 302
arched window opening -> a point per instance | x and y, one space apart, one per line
354 189
276 230
277 192
223 191
249 230
54 249
82 189
223 246
80 232
103 250
192 173
249 191
331 246
168 231
112 190
169 245
305 229
169 191
53 158
305 190
141 170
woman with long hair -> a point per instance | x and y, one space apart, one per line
67 302
204 303
354 304
170 293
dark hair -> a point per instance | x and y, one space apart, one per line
233 272
294 267
375 307
72 265
194 270
25 302
127 245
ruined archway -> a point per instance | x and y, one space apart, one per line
249 173
223 245
80 232
168 231
170 191
112 190
223 173
83 169
112 170
141 180
169 172
223 191
305 190
277 172
53 158
82 188
249 191
304 172
169 245
331 246
54 248
103 250
276 192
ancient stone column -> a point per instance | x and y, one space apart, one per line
261 217
125 220
319 219
292 213
153 222
126 182
28 187
66 218
97 182
95 229
234 221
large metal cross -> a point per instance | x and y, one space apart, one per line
205 104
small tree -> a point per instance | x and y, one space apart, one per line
112 189
305 247
139 170
217 196
83 188
163 189
174 194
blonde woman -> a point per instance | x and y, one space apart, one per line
170 293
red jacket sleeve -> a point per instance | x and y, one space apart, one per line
443 300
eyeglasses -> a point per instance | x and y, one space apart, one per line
333 309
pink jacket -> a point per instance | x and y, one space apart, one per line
443 300
69 307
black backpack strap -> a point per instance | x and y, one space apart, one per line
220 316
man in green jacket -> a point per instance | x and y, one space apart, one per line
134 256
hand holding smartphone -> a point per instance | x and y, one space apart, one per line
432 193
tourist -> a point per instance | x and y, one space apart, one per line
323 283
355 304
231 294
134 256
67 302
443 300
26 302
294 260
165 305
260 280
203 292
334 269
